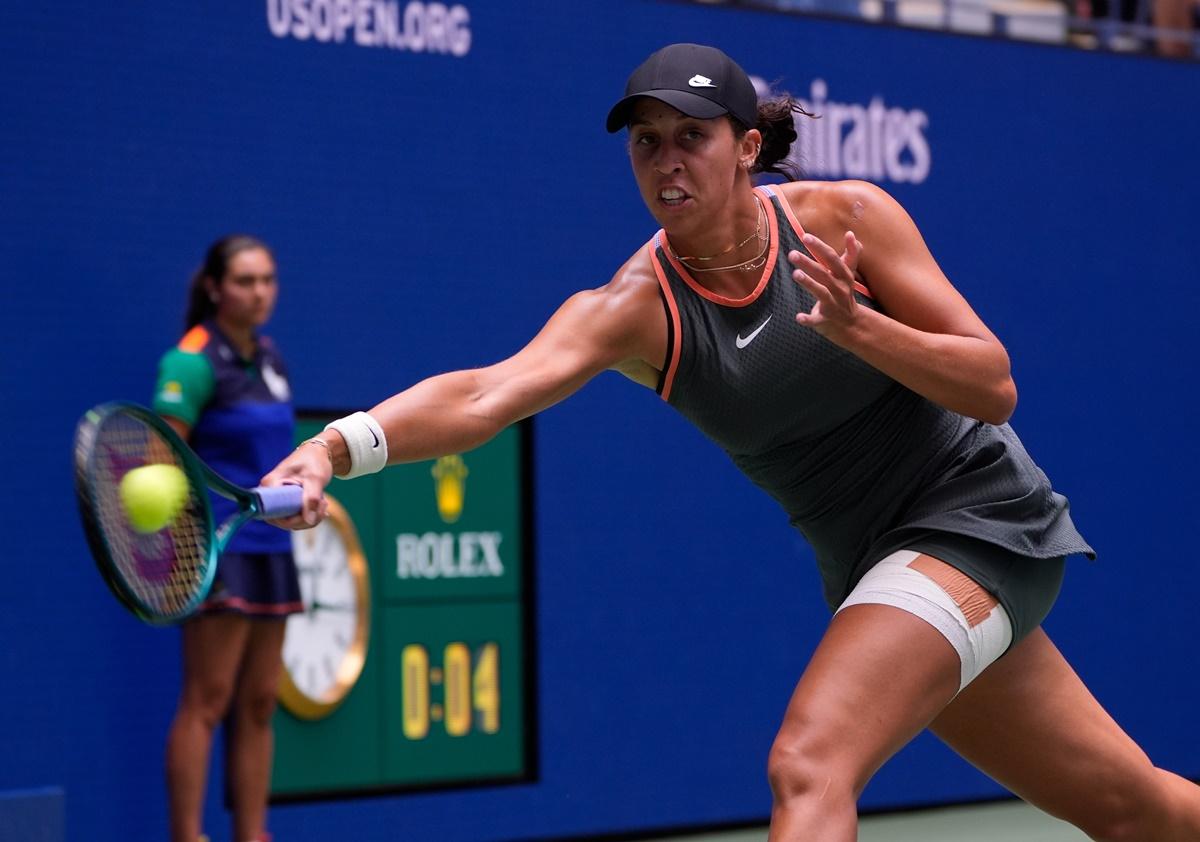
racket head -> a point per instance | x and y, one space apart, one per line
163 576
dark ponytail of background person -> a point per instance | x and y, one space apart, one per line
201 305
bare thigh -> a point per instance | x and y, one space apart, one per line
261 667
878 678
1030 723
213 647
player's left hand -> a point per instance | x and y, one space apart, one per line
830 278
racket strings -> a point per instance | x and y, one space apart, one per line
167 569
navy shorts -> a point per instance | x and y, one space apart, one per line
1026 587
255 584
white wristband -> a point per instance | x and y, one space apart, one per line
365 443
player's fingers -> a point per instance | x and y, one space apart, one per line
822 251
827 307
293 522
834 295
313 510
840 288
853 251
805 263
840 281
819 290
314 507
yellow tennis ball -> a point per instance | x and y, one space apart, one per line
152 496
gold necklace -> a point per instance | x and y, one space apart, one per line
750 265
753 263
755 233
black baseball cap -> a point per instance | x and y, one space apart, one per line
700 81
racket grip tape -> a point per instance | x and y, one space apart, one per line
279 500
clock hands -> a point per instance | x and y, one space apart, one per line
325 646
345 608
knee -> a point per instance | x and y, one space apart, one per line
256 706
1125 811
207 701
800 770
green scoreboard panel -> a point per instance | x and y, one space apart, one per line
444 694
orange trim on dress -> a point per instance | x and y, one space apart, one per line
194 340
669 297
799 229
768 267
271 608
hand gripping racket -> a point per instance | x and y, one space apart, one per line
160 576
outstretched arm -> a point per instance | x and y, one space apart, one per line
930 339
592 331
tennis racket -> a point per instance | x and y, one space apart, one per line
163 576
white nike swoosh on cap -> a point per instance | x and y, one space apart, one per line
699 81
742 343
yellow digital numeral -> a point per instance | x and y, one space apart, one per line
414 665
487 688
457 662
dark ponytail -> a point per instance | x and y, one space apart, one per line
777 125
200 305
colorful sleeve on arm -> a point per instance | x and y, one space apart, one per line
185 385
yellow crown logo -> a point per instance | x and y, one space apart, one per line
450 486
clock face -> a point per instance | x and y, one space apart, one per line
325 647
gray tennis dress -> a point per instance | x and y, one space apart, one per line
862 465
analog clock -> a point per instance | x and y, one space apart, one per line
325 648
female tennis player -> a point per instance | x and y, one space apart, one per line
807 330
225 382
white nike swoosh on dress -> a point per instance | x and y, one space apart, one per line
742 343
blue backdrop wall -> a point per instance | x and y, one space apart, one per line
435 181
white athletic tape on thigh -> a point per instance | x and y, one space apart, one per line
365 443
892 582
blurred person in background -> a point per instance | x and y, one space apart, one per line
224 389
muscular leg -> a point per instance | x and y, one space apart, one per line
212 650
912 632
251 742
878 678
1030 723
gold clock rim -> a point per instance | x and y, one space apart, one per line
295 700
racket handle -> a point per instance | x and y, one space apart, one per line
279 500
